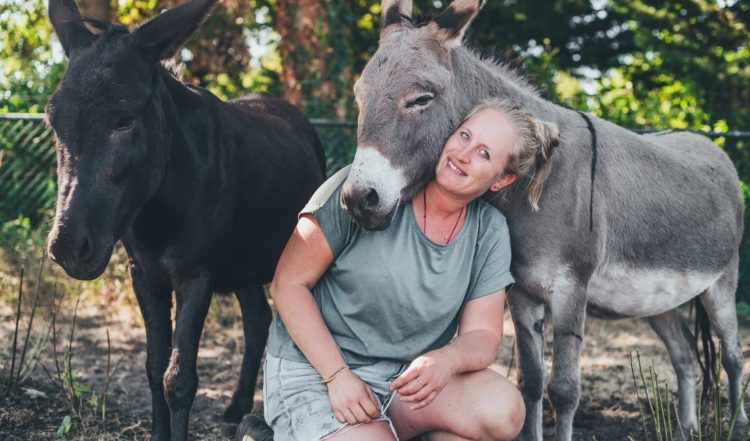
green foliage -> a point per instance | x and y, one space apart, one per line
714 422
30 67
64 427
20 240
638 63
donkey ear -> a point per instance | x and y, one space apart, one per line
392 15
69 27
451 24
162 36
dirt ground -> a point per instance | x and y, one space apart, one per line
608 410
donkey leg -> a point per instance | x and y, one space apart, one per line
674 331
720 305
155 302
256 319
528 319
181 378
568 314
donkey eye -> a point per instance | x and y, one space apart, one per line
124 123
419 102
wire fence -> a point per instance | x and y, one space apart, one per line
28 185
27 160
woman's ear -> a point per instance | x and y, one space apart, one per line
503 181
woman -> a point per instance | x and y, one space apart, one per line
362 347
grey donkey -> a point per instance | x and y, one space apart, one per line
628 225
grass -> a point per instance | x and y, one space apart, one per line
660 418
85 407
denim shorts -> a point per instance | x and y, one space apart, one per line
296 403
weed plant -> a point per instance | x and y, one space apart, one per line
22 245
85 406
658 407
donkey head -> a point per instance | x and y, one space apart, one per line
110 114
409 103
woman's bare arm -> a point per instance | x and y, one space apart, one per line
303 262
480 332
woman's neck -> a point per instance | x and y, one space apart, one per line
441 204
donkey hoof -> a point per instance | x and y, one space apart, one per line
253 428
235 412
228 430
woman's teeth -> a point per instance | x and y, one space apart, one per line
455 169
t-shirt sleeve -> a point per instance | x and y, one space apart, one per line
336 224
492 263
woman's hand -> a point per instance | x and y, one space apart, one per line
352 399
424 379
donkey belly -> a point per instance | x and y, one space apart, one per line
619 290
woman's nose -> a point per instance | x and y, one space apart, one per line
463 154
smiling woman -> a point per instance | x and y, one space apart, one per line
362 346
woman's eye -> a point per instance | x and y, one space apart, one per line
484 154
124 123
464 136
419 102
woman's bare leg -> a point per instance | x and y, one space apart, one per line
374 431
480 405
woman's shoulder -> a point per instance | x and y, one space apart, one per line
330 187
489 216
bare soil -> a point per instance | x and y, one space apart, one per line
609 409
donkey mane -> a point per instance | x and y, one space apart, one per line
510 68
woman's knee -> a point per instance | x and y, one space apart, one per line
502 416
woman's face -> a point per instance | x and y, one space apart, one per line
474 157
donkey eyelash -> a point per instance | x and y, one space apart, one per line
420 101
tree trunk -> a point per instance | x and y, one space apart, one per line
316 55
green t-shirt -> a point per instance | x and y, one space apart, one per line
395 294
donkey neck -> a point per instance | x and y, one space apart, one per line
480 78
198 126
198 122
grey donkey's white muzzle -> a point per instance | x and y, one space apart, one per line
372 191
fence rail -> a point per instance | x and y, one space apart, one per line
27 159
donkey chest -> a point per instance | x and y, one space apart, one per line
620 290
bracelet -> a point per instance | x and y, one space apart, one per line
335 374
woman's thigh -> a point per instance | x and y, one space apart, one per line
296 404
297 407
375 431
477 405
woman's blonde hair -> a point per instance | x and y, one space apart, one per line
531 154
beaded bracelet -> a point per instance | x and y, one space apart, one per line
335 374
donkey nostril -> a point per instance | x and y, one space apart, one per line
372 198
84 251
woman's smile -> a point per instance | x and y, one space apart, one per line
452 167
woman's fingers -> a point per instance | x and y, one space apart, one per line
360 414
419 395
412 388
371 406
407 376
349 416
429 399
